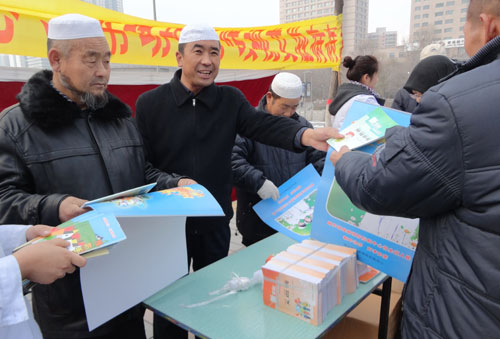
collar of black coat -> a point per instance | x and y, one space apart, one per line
207 95
43 105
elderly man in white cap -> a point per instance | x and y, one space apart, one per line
69 140
189 126
258 169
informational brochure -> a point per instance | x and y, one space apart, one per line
292 213
128 193
366 130
386 243
86 234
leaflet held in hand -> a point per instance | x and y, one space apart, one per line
292 214
386 243
86 233
369 128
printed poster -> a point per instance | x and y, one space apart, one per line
292 213
154 254
384 242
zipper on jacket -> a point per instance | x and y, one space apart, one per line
94 141
195 150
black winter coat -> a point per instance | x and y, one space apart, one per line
193 135
50 148
253 163
444 168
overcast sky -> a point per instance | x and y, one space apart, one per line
393 14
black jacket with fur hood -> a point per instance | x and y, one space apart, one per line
49 149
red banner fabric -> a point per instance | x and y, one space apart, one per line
253 90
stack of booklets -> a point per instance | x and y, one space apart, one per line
309 279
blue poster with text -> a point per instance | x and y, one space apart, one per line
386 243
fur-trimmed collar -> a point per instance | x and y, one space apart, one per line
43 105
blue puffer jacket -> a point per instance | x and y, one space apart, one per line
444 169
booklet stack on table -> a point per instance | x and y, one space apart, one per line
309 279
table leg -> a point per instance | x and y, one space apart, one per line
384 307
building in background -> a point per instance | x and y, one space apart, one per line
382 38
297 10
438 21
355 16
115 5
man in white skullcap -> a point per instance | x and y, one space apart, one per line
258 169
189 126
67 141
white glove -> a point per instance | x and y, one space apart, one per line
268 190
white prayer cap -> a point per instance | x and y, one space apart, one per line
432 49
197 32
74 26
287 85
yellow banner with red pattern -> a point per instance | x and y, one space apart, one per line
306 44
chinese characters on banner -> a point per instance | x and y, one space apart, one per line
307 44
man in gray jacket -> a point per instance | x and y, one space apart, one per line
69 140
444 169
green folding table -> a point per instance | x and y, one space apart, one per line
244 315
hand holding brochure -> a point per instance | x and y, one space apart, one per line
364 131
387 243
292 214
90 233
89 236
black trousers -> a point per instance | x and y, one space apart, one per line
128 325
202 250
